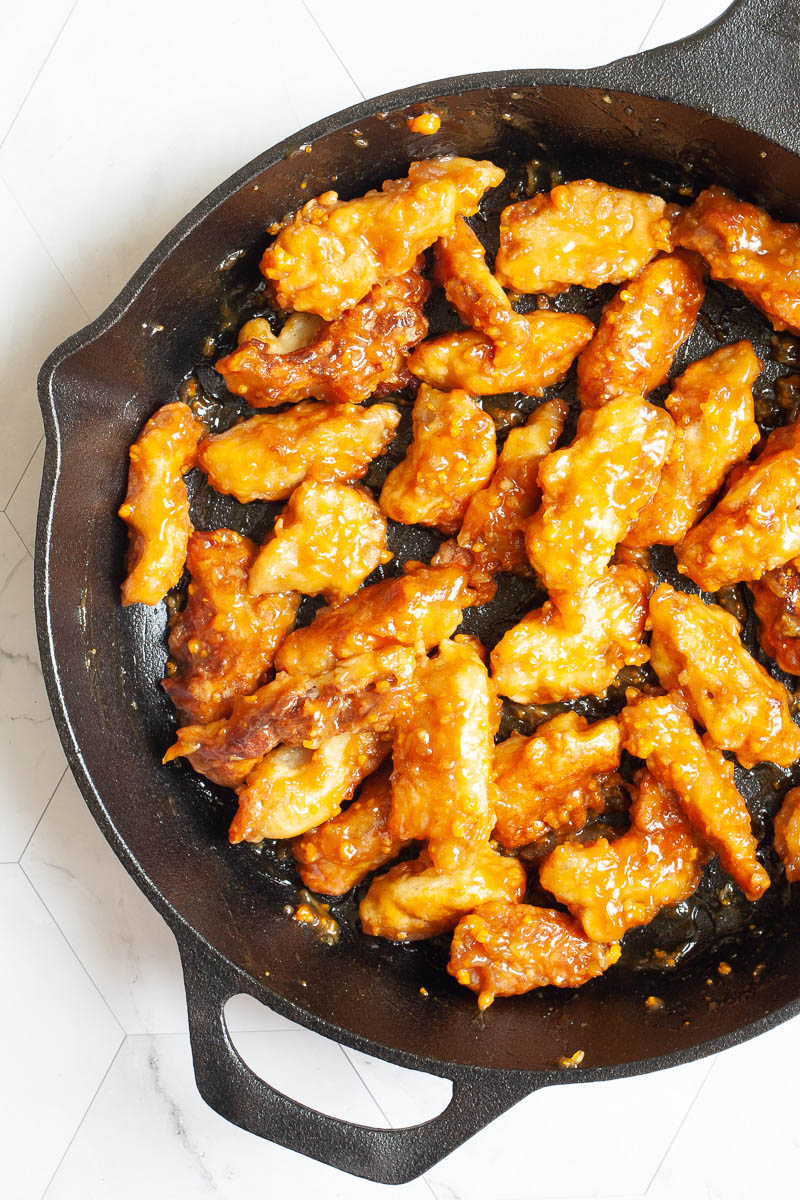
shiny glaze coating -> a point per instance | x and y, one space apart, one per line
776 600
787 834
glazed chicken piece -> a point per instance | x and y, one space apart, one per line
451 457
474 292
361 353
347 848
266 457
697 650
641 330
746 249
333 252
223 642
547 658
593 491
443 743
494 524
507 949
776 600
553 780
295 788
787 834
156 507
659 730
611 887
420 608
584 232
327 540
755 527
712 406
415 900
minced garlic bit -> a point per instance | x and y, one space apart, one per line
654 1002
427 122
569 1064
724 968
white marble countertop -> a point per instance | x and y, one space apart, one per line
114 120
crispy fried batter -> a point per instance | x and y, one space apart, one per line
474 292
746 249
552 780
294 788
776 600
333 252
452 456
156 507
787 834
224 641
594 489
580 233
712 406
417 900
360 353
756 525
611 887
641 330
327 540
547 657
658 730
507 949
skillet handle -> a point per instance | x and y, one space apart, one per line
236 1093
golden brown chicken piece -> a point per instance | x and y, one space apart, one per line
657 729
295 788
333 252
583 233
327 540
697 650
443 742
224 640
420 608
507 949
776 600
552 780
712 406
611 887
361 353
345 849
546 658
494 523
156 507
787 834
451 457
755 527
746 249
266 457
474 292
417 900
593 491
641 330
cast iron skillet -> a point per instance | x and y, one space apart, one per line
721 107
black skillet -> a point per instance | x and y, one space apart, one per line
644 122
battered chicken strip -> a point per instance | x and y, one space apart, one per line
746 249
156 507
360 353
593 491
641 330
697 650
420 608
443 743
223 642
507 949
712 406
452 456
416 900
294 788
345 849
755 527
611 887
333 252
266 457
658 730
552 780
548 658
776 600
327 540
474 292
584 232
787 834
494 523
